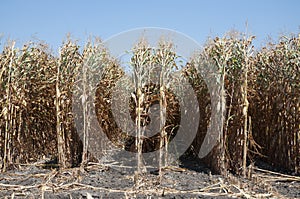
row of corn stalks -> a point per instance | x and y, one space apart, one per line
261 96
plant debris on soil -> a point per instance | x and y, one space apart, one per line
187 180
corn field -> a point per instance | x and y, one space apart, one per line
261 95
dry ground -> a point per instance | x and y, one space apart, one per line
189 180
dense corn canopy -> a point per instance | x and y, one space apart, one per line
262 95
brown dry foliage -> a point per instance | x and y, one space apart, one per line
262 93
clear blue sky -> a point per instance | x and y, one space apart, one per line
51 20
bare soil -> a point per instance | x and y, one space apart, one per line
190 179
